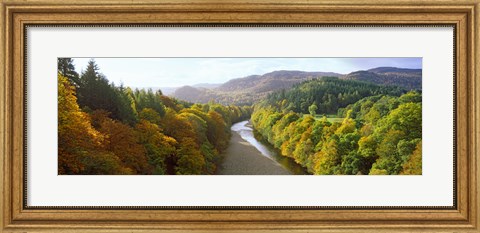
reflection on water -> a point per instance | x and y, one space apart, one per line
246 132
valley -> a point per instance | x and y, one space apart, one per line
282 122
248 90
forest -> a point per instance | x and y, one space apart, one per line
380 132
326 125
104 128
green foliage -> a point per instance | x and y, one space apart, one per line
379 134
109 129
95 92
122 140
67 69
328 94
80 146
121 131
149 99
413 166
313 109
125 105
158 146
150 115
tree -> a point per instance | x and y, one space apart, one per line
378 135
177 127
199 126
389 158
190 160
67 69
114 130
313 109
218 132
407 118
280 135
122 140
159 147
411 97
327 160
149 99
354 164
95 92
125 105
414 164
80 149
150 115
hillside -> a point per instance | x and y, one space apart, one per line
327 93
194 95
410 79
250 89
246 90
271 81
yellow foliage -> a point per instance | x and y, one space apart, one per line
375 171
76 136
414 165
347 126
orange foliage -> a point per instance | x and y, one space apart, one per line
121 140
80 148
76 135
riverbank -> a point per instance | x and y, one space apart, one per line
241 158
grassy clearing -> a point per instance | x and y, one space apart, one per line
335 119
331 118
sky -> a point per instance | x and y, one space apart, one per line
176 72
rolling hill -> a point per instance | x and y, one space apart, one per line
247 90
271 81
410 79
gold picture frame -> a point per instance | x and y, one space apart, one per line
464 15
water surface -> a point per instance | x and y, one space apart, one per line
246 132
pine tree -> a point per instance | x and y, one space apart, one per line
67 69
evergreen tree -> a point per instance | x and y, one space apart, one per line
67 69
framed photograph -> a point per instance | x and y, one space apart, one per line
239 116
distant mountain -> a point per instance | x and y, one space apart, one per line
271 81
171 90
384 70
194 95
240 83
207 85
247 90
410 79
167 90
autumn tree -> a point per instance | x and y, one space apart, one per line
80 149
122 140
159 148
378 134
190 160
413 166
111 129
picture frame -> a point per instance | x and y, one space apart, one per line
17 216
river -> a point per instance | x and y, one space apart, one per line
248 155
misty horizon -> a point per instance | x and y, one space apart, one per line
178 72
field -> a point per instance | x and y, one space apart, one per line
330 118
365 122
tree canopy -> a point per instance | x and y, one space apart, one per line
381 132
109 129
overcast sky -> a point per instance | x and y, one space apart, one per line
176 72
